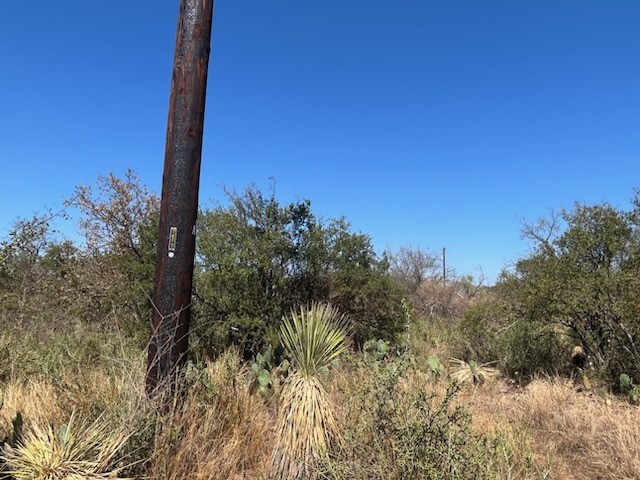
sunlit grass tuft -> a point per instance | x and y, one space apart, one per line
219 432
37 400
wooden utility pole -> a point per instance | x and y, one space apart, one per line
169 343
444 266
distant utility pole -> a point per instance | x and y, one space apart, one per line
444 267
169 343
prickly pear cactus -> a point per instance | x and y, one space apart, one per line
629 388
435 365
268 372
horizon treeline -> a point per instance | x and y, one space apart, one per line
258 258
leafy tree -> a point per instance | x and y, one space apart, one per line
258 259
582 276
36 270
120 224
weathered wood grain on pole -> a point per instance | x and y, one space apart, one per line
168 347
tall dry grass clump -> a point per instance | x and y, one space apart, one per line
313 338
105 406
593 439
37 401
571 434
219 432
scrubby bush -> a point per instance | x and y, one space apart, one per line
400 426
579 286
39 352
48 282
491 331
430 291
119 223
37 272
479 329
257 259
527 349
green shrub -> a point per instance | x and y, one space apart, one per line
491 331
50 354
479 330
398 429
628 388
106 279
527 349
258 259
582 274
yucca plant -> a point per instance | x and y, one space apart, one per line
464 371
76 451
313 338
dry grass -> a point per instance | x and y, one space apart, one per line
117 393
37 400
551 429
220 431
564 433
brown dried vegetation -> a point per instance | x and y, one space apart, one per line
73 328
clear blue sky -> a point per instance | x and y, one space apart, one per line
430 123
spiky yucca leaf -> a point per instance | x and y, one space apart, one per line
83 451
463 371
314 337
